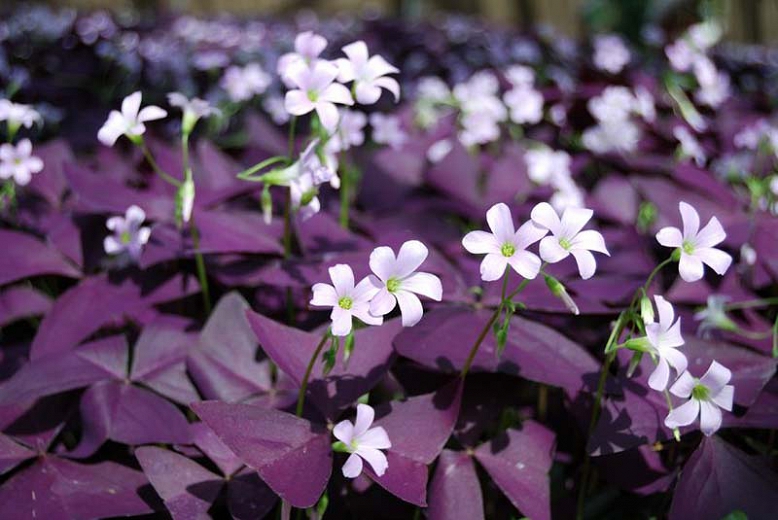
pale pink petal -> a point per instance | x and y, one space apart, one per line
328 115
716 377
309 44
324 295
364 291
389 84
336 93
684 415
716 259
425 284
353 466
131 106
481 242
112 246
378 66
660 376
342 279
367 93
493 267
346 71
672 337
344 432
527 234
710 418
410 307
375 458
676 358
690 267
341 321
525 263
144 234
357 53
151 113
500 222
711 234
725 397
383 262
365 418
665 310
34 164
412 254
574 219
113 128
114 223
382 303
545 216
24 148
375 438
691 220
670 237
135 215
362 311
587 265
551 251
296 102
683 385
591 240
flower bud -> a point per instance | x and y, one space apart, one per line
646 310
267 205
558 290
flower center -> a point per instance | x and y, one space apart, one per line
353 445
508 249
700 392
688 247
345 303
313 95
392 284
565 243
125 237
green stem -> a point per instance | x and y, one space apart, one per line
308 370
150 159
655 272
199 260
485 331
751 303
246 175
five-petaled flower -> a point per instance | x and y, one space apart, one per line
696 245
504 246
367 72
130 121
317 91
707 395
346 299
307 48
362 442
128 233
567 238
398 282
18 163
193 109
664 338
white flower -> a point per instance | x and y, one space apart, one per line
316 91
696 245
18 163
128 234
558 114
350 131
17 114
544 165
525 105
618 135
681 55
363 442
274 106
610 53
193 109
432 89
567 238
714 315
664 338
707 395
504 246
346 299
439 150
398 283
690 146
714 85
567 195
308 46
520 76
478 128
367 72
614 103
387 130
645 104
130 121
304 177
704 35
243 83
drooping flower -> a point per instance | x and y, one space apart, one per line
696 245
387 130
504 246
567 238
714 316
369 73
610 53
243 83
16 114
193 109
664 338
129 235
18 163
707 396
130 121
317 91
308 46
346 299
363 443
398 283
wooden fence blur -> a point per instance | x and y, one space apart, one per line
745 20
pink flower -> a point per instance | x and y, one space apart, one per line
664 338
128 234
610 53
130 121
346 299
18 163
316 91
707 396
368 73
308 46
363 443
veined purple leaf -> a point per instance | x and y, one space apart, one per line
292 455
12 454
39 425
719 479
519 462
291 349
19 302
25 256
58 489
223 362
209 443
455 492
187 488
248 497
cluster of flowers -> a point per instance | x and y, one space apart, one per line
17 162
616 131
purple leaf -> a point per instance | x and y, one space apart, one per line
58 489
187 488
248 497
292 455
21 302
405 478
344 384
50 183
204 438
519 462
719 479
12 454
25 256
455 492
223 362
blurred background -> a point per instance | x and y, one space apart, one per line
751 21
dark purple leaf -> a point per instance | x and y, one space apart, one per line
455 492
12 454
50 183
209 443
248 497
25 256
292 455
21 302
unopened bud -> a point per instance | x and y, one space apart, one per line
634 362
677 255
558 290
646 310
267 205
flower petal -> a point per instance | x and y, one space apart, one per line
691 220
545 216
375 458
480 242
525 263
131 106
660 376
328 115
690 267
670 237
426 284
389 84
410 307
382 303
341 321
342 279
683 385
376 438
324 295
676 358
337 93
551 251
412 254
527 234
591 240
587 265
684 415
712 234
365 418
716 259
296 102
500 222
725 397
716 377
344 432
353 466
710 418
574 219
665 311
151 113
493 267
383 263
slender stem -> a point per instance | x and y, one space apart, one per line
199 261
485 331
308 370
150 159
656 270
345 182
290 147
751 303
